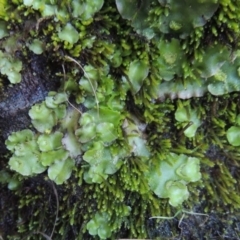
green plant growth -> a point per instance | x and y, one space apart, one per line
99 226
32 153
226 80
103 161
115 128
189 119
13 182
137 14
171 56
169 178
37 46
91 136
10 67
233 133
83 10
180 18
138 71
3 29
69 34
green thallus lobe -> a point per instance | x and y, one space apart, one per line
118 71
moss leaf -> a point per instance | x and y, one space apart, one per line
37 46
48 158
26 165
138 71
233 136
69 34
47 142
61 170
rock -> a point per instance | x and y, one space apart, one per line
37 80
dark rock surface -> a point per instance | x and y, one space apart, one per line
38 79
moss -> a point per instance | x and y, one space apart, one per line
143 91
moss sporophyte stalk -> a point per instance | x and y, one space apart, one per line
143 119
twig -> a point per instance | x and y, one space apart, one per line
74 107
64 77
184 212
85 73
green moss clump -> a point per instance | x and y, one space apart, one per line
144 122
